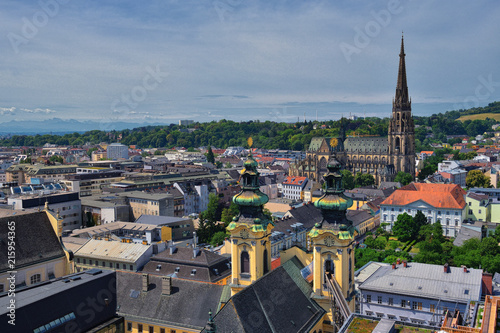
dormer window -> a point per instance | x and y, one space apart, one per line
193 272
177 269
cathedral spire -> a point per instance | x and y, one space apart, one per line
402 100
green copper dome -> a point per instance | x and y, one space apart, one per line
334 203
251 200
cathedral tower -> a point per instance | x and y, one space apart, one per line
401 127
250 231
333 243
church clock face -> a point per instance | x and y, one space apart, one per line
334 142
244 233
329 240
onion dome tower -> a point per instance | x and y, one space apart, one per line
333 240
250 231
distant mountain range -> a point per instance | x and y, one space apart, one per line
61 126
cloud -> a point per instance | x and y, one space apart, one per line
39 110
7 111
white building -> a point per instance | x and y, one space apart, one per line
293 186
116 151
438 202
195 197
419 293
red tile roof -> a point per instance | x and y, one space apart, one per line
294 180
436 195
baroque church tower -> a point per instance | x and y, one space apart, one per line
250 231
401 127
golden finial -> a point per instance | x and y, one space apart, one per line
250 142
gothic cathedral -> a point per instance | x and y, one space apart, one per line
379 156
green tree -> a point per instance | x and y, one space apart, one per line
405 228
476 178
218 238
228 165
363 179
347 179
404 178
210 155
56 158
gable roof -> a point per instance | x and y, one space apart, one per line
299 181
436 195
36 240
284 288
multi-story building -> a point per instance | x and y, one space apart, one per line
173 305
419 293
97 210
67 204
111 254
23 173
178 228
39 254
492 206
293 187
195 196
91 183
191 263
141 203
438 202
116 151
82 302
478 207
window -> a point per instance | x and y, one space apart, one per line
245 262
35 278
111 265
97 263
368 298
90 261
416 305
172 331
162 330
393 317
103 264
480 211
379 299
129 327
139 328
84 261
1 288
151 329
432 308
391 301
78 260
470 211
131 267
447 221
456 223
439 212
380 315
403 303
470 203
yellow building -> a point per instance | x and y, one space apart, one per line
33 251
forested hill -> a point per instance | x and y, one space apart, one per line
270 135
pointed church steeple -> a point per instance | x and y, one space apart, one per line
401 101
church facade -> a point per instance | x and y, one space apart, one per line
382 157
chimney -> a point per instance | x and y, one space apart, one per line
405 263
145 282
465 269
393 265
398 261
166 285
446 268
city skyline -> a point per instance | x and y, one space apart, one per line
165 61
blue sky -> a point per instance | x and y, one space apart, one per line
161 61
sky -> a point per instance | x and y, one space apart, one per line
281 60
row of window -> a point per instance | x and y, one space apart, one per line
409 211
151 329
55 323
103 264
404 303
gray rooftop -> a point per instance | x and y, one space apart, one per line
159 220
424 280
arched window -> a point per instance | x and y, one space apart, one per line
245 262
35 278
265 261
397 143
